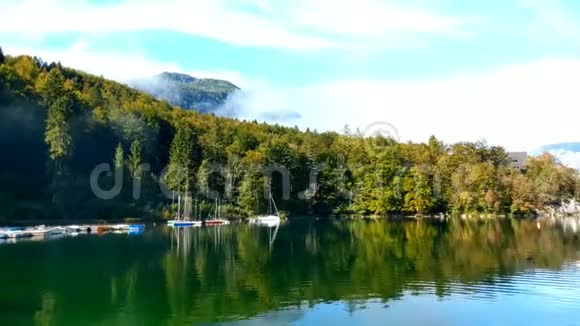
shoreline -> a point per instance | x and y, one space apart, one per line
440 218
10 222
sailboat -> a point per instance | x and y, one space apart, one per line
217 218
272 218
183 215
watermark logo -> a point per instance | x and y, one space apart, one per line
338 175
376 133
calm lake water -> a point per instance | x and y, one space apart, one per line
323 273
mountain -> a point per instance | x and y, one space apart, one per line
200 94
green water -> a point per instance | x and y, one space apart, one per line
412 273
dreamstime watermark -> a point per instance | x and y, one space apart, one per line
376 132
382 181
342 179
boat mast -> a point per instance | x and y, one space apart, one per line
274 203
178 206
270 200
187 205
195 213
187 208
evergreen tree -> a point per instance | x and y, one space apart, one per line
251 194
119 157
181 161
53 89
1 56
58 138
57 133
135 158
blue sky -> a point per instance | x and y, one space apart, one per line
504 71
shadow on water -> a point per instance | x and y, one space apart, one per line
239 272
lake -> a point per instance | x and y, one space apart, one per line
495 272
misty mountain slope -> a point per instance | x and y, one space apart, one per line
200 94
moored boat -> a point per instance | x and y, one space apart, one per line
136 228
102 229
78 228
57 230
270 223
38 231
120 227
267 219
17 234
272 218
183 215
182 223
217 221
217 218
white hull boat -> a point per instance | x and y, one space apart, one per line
41 230
78 228
267 219
271 219
120 227
18 234
56 231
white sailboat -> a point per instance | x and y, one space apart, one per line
183 215
272 218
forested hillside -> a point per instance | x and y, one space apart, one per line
57 124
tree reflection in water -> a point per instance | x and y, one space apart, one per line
188 276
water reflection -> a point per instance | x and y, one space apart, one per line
234 273
570 224
272 230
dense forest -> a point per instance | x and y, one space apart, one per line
58 124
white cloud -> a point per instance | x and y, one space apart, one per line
551 22
297 24
116 65
372 18
258 100
521 107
